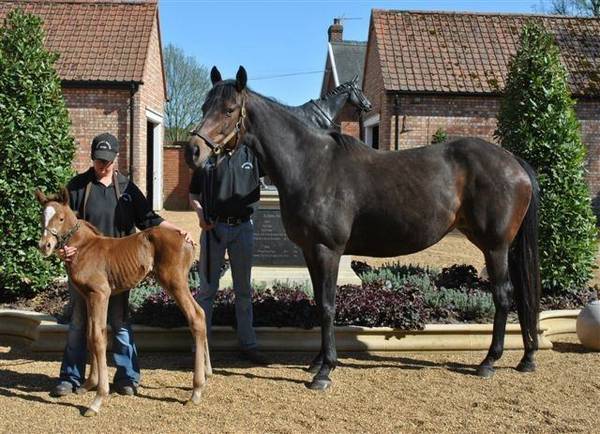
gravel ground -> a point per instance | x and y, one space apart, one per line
378 392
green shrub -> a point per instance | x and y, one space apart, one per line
537 122
439 136
36 150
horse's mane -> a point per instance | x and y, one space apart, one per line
340 89
348 142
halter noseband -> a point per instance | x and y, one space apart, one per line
218 148
63 239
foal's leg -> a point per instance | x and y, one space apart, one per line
92 380
97 310
195 317
323 265
497 265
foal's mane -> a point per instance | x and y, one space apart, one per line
91 227
340 89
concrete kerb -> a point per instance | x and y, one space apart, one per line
45 335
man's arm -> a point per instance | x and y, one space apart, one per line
195 200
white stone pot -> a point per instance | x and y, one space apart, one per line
588 326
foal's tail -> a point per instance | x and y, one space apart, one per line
525 266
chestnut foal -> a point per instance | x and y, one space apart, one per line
105 266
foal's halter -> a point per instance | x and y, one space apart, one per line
218 148
64 238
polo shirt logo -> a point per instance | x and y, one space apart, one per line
247 165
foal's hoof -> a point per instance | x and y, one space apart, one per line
526 366
194 400
320 383
89 413
485 371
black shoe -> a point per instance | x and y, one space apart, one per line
126 389
254 356
63 388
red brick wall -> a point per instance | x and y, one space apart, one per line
151 95
177 178
95 111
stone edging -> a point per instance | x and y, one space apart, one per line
44 334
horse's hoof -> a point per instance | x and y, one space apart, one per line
89 413
321 383
313 369
485 371
81 391
526 366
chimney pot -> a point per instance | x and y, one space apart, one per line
336 31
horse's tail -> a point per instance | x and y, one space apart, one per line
525 266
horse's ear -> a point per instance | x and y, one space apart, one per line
215 75
241 79
41 197
355 79
63 196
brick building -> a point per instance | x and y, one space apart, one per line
345 60
112 77
431 70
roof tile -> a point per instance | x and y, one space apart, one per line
468 52
98 41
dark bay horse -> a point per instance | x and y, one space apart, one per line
339 196
105 266
318 113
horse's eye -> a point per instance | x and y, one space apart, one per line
62 219
229 111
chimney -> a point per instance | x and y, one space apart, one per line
336 31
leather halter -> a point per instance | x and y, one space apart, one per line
63 239
218 148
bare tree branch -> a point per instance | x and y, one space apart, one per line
187 84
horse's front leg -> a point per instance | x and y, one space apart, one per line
97 310
323 265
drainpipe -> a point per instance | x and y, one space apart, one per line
133 88
396 114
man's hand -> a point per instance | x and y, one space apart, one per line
204 224
188 236
67 253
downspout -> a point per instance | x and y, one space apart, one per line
133 88
396 114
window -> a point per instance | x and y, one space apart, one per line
371 130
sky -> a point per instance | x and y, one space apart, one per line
283 44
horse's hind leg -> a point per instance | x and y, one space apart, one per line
497 266
97 309
194 315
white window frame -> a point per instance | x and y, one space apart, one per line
368 126
157 170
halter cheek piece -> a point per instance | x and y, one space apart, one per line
218 148
64 238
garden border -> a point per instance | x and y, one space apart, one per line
45 335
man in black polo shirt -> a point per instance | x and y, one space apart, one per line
115 206
224 193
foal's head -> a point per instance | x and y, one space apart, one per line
223 117
58 221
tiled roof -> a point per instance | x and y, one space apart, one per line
349 59
469 53
97 41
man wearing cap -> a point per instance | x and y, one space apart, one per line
115 206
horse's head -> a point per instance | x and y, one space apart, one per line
222 125
58 221
357 98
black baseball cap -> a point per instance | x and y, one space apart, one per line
105 147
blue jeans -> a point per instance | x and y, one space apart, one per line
239 242
124 351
